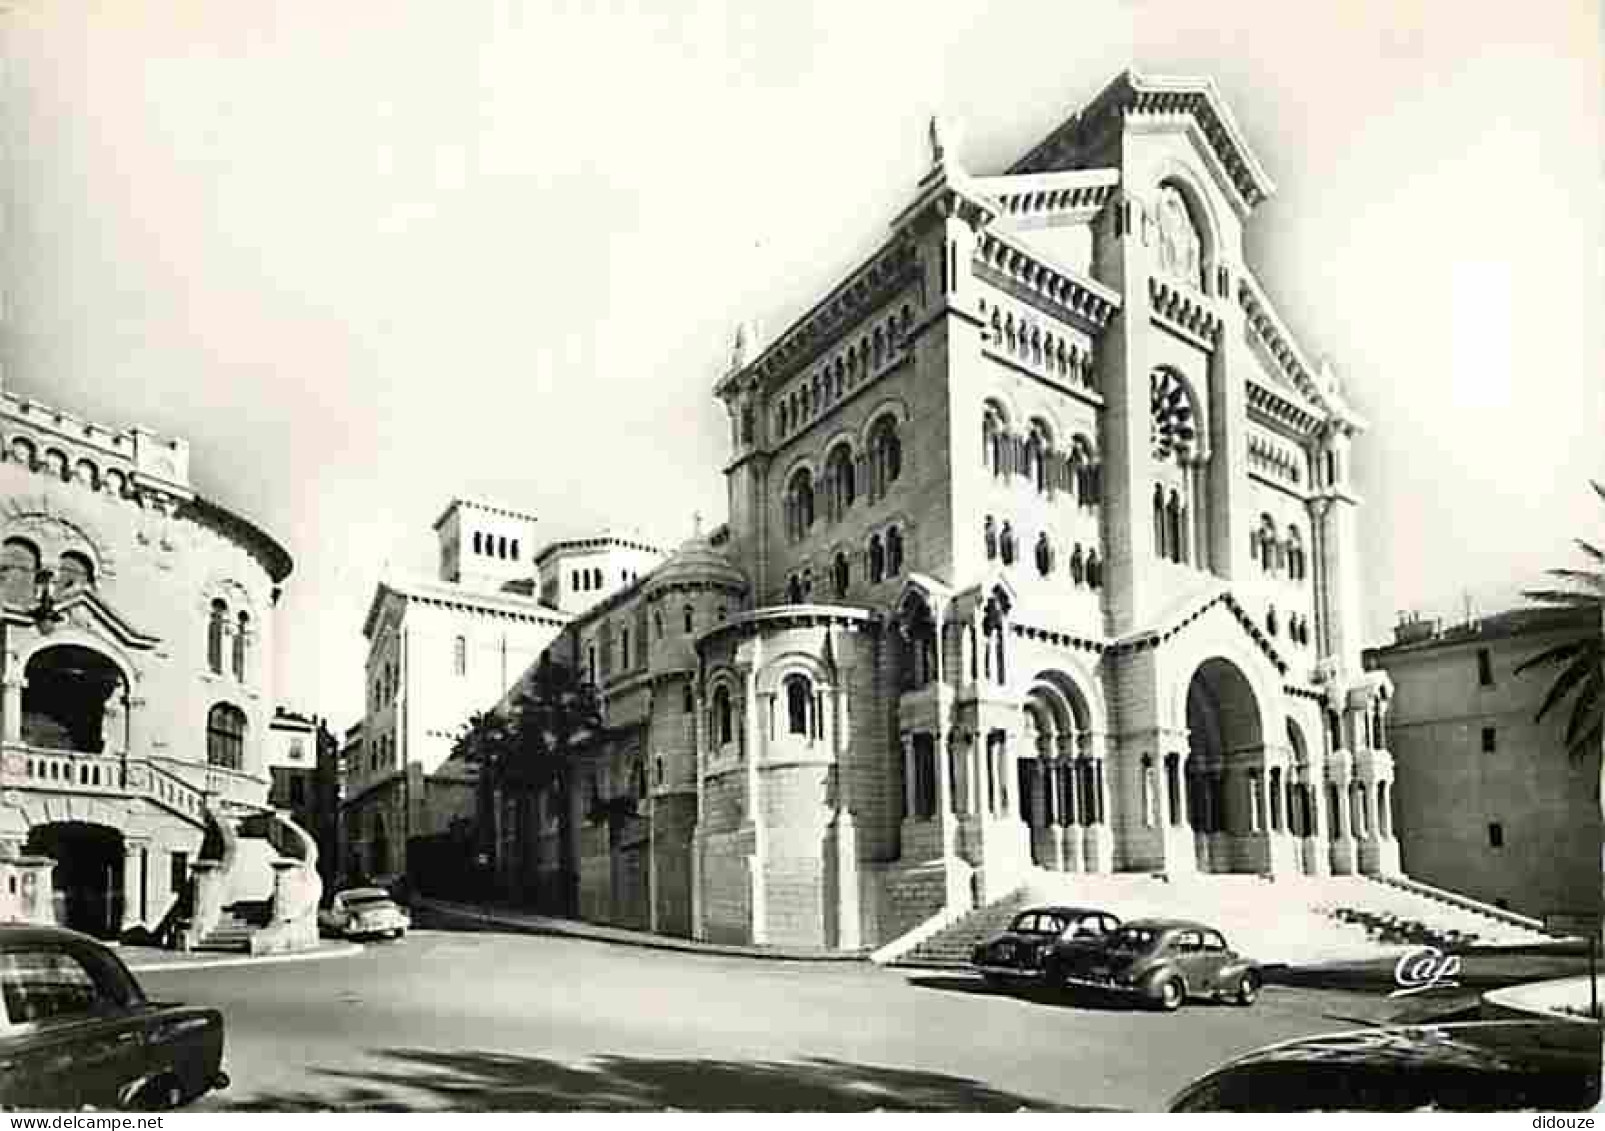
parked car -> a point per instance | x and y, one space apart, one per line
1162 961
1018 954
365 913
78 1031
1466 1066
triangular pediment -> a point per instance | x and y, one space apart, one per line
1188 613
87 609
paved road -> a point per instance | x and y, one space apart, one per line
497 1021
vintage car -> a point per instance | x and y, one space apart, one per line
77 1031
1017 954
1458 1066
365 913
1162 961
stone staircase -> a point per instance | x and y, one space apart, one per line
951 947
1295 920
235 927
259 892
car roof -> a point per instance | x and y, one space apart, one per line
25 934
1170 925
366 892
1063 909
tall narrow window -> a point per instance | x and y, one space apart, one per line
989 533
459 656
687 699
723 725
894 552
877 560
242 635
624 649
1489 740
1485 667
1006 547
799 704
225 736
1496 834
214 636
687 614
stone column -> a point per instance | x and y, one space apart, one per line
942 768
1344 854
1098 843
11 685
1067 804
755 750
133 912
36 892
1047 847
910 778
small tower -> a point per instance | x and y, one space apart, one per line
484 546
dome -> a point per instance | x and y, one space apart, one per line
697 562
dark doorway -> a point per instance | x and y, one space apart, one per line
88 875
64 703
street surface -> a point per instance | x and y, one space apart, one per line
501 1021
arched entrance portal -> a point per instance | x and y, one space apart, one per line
1225 785
88 875
64 705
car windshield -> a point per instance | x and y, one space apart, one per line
1133 938
1037 922
365 898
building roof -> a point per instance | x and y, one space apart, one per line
1134 93
1525 621
274 557
480 504
596 542
697 562
494 603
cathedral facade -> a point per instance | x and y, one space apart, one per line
1041 555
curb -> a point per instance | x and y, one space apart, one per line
345 950
644 941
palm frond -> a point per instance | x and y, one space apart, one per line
1557 653
1569 598
1592 551
1580 670
1589 578
1585 711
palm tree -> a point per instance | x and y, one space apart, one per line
488 741
1582 659
557 713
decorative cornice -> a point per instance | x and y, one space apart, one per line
1069 194
1184 309
1277 409
790 616
1083 302
893 266
1155 637
1133 95
1267 330
1059 638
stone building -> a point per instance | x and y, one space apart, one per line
441 649
136 692
1041 556
1522 826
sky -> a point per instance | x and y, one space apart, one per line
372 255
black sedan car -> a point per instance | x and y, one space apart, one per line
1161 961
1017 954
1470 1066
77 1031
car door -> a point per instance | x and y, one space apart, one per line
70 1041
1186 950
1213 957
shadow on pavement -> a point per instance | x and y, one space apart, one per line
1040 995
424 1079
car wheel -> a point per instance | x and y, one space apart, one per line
1247 988
1168 994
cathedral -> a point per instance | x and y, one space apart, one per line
1041 557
